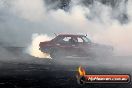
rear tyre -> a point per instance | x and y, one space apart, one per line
55 54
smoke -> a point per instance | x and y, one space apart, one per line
105 23
32 10
33 49
119 37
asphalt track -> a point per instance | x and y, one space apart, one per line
21 70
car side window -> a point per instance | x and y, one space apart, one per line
80 40
64 40
60 40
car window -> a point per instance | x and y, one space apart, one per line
80 40
86 40
66 39
60 40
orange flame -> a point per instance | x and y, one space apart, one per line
81 71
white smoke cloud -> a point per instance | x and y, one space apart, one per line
31 10
129 9
103 28
98 20
117 36
33 49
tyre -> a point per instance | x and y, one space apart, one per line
56 54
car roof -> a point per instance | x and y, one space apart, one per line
70 35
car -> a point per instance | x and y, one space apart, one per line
70 45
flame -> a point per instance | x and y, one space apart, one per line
81 71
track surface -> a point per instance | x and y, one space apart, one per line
30 72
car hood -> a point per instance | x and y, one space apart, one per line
42 44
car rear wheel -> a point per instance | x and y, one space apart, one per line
55 54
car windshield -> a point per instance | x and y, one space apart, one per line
86 39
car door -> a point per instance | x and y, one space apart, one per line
66 46
74 45
83 46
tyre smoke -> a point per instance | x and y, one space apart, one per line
106 23
33 49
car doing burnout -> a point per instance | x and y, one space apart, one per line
68 45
